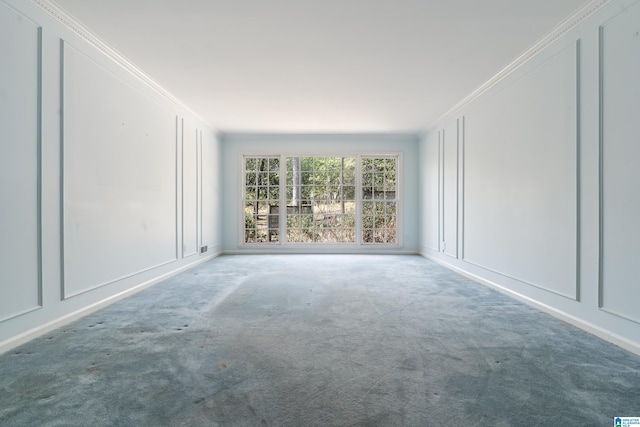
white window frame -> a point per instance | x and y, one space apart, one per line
397 200
282 241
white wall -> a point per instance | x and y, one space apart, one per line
547 198
107 182
234 146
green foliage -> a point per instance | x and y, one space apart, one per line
262 179
321 178
249 225
322 193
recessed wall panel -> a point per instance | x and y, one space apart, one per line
190 138
210 191
620 174
430 167
19 164
520 186
119 173
450 189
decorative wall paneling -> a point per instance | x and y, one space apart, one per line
450 195
190 141
461 178
549 193
118 179
521 201
619 160
91 175
430 169
210 190
20 181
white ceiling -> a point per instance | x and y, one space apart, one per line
320 66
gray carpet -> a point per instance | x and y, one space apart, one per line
318 340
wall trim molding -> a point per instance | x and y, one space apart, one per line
39 196
600 167
453 124
68 295
575 19
319 251
622 316
178 187
319 137
61 164
33 333
461 182
574 49
523 281
611 337
65 291
21 313
73 25
603 166
32 141
440 189
578 163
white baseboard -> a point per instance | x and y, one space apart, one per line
598 331
26 336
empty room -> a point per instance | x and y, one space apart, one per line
319 213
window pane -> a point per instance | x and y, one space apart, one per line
320 194
321 199
380 185
261 199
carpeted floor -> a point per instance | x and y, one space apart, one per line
318 340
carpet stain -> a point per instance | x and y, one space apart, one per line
317 341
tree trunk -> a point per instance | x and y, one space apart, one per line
342 185
259 186
297 183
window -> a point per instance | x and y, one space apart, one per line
379 199
321 205
324 199
261 195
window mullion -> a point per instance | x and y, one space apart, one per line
358 199
322 219
282 218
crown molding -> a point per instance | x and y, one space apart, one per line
318 137
575 19
70 23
